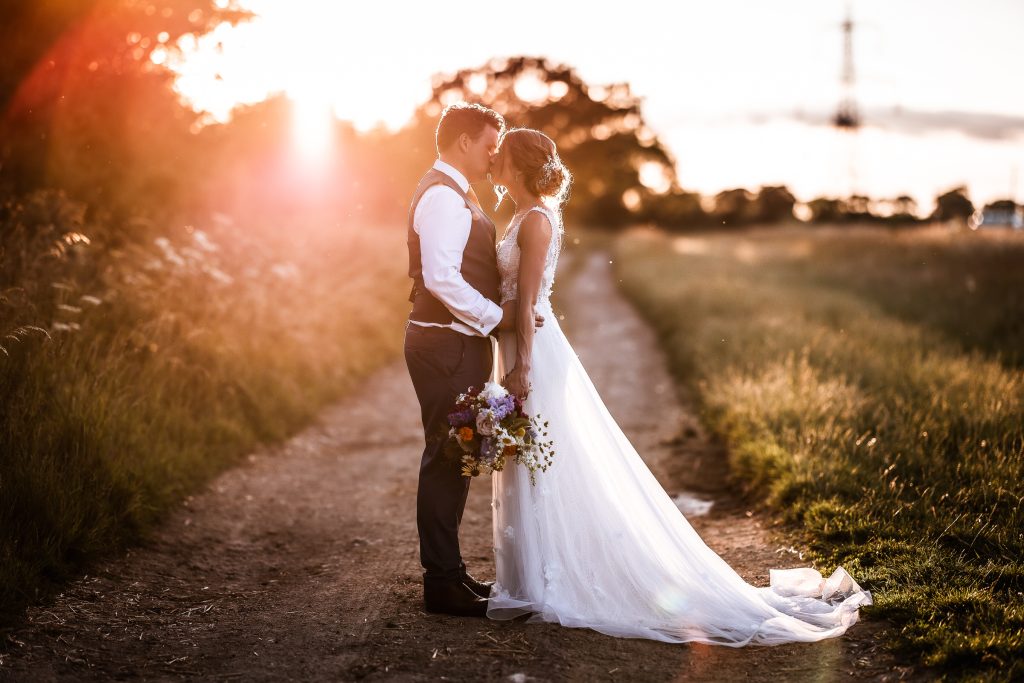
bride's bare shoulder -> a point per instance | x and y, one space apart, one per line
535 228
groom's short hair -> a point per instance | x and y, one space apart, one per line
463 117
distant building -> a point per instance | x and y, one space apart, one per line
1002 214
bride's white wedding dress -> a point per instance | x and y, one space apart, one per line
598 543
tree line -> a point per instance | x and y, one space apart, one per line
88 113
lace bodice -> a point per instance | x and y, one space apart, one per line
508 257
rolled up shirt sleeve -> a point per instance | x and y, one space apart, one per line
443 222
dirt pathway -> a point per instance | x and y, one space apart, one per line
302 564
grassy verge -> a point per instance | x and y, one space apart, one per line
964 286
864 404
167 360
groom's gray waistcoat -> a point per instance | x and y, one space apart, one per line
479 263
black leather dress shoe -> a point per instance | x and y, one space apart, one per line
481 588
442 596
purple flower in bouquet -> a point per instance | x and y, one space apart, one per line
502 406
488 450
460 418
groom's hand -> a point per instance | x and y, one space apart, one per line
509 313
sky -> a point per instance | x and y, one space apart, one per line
739 91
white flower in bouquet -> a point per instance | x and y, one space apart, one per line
502 436
492 390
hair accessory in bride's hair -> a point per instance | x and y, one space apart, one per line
549 169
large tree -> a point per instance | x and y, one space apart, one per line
600 130
86 107
53 37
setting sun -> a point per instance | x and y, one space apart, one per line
314 51
312 119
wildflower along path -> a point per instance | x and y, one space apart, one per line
302 563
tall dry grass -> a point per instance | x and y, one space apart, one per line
136 368
869 386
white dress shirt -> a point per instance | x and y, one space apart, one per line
443 221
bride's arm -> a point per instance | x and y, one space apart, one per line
533 240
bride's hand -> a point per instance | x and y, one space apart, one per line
517 381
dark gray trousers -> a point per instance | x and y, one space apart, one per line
442 364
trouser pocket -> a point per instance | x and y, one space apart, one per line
433 353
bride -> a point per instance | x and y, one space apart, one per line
598 543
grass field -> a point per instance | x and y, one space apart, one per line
869 384
178 357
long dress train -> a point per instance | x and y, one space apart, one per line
598 543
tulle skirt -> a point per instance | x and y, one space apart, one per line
598 543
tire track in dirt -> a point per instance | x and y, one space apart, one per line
302 563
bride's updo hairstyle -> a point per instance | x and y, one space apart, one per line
535 155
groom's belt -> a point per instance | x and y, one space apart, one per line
427 326
446 332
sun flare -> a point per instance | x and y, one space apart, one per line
312 124
311 50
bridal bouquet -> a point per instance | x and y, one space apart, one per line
489 429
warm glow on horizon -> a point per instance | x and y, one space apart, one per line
732 88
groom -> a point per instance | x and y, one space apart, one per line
455 307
